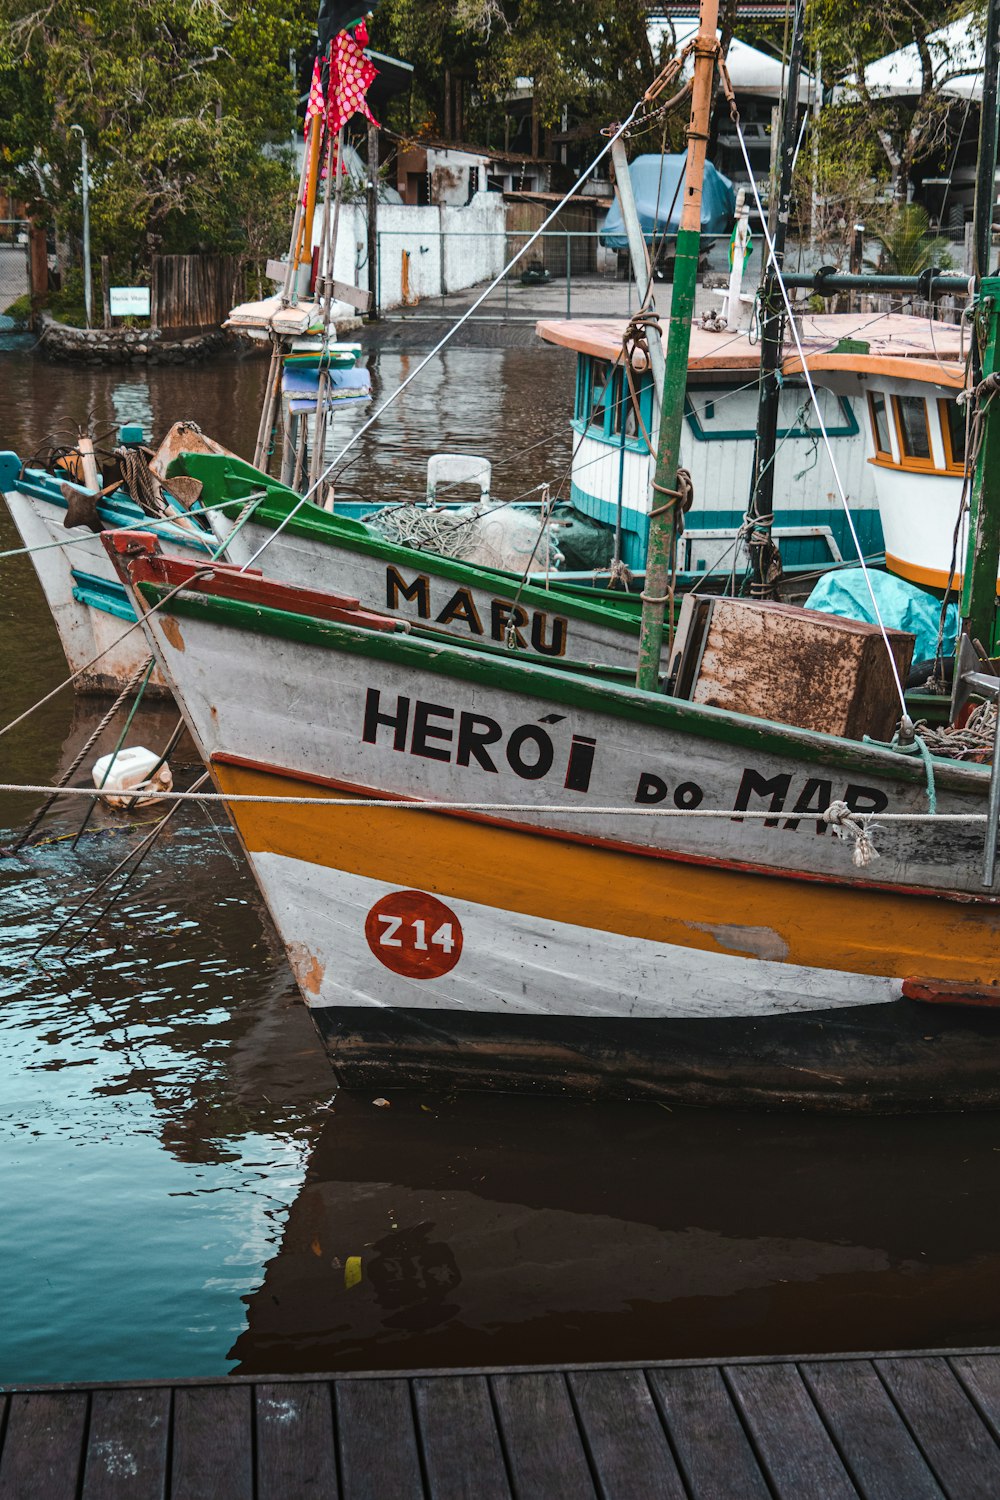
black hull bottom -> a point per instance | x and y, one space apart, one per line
892 1058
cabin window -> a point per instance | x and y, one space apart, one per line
879 415
623 411
953 427
601 388
911 424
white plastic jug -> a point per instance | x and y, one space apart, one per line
128 771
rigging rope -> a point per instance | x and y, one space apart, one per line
807 373
619 131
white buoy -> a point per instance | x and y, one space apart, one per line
121 776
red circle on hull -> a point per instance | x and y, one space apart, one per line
414 934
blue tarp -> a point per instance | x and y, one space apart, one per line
902 606
657 183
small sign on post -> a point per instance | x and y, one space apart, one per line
129 301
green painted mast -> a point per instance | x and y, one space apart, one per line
661 552
979 585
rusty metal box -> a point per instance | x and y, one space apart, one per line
790 665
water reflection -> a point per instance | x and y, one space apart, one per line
158 1088
478 1231
180 1194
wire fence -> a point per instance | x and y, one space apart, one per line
567 273
14 282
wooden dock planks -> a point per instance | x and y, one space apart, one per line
863 1427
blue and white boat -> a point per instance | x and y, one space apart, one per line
612 464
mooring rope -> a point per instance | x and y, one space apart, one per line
78 760
433 805
201 573
807 373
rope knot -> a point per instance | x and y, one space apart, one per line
857 826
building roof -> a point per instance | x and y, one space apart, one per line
751 71
958 53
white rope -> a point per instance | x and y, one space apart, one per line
451 332
859 827
772 257
409 805
146 523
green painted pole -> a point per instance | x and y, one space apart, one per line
661 552
979 585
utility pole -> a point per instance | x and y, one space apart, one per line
88 291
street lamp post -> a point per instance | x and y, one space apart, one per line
88 293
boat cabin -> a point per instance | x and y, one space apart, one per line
915 429
612 463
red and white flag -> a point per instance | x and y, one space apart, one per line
316 103
351 76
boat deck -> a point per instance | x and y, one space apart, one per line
876 1426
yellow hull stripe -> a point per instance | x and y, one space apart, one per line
718 910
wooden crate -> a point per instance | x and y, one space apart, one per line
791 665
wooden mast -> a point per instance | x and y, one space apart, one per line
660 558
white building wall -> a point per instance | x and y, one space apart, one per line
449 247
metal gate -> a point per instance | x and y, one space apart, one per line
14 276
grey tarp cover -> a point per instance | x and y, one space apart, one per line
655 184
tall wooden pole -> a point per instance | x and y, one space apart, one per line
373 309
658 593
761 504
312 183
979 586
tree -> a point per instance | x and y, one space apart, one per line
588 57
178 99
908 130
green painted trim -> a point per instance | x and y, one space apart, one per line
850 427
318 525
548 684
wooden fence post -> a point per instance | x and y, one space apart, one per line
106 289
38 264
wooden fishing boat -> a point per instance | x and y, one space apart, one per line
612 461
94 620
489 870
555 933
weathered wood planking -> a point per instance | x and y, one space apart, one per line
860 1427
193 291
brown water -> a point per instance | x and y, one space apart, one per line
183 1193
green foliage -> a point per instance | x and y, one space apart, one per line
589 57
177 99
19 311
911 130
908 248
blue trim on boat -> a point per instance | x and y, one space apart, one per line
100 593
116 510
796 552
